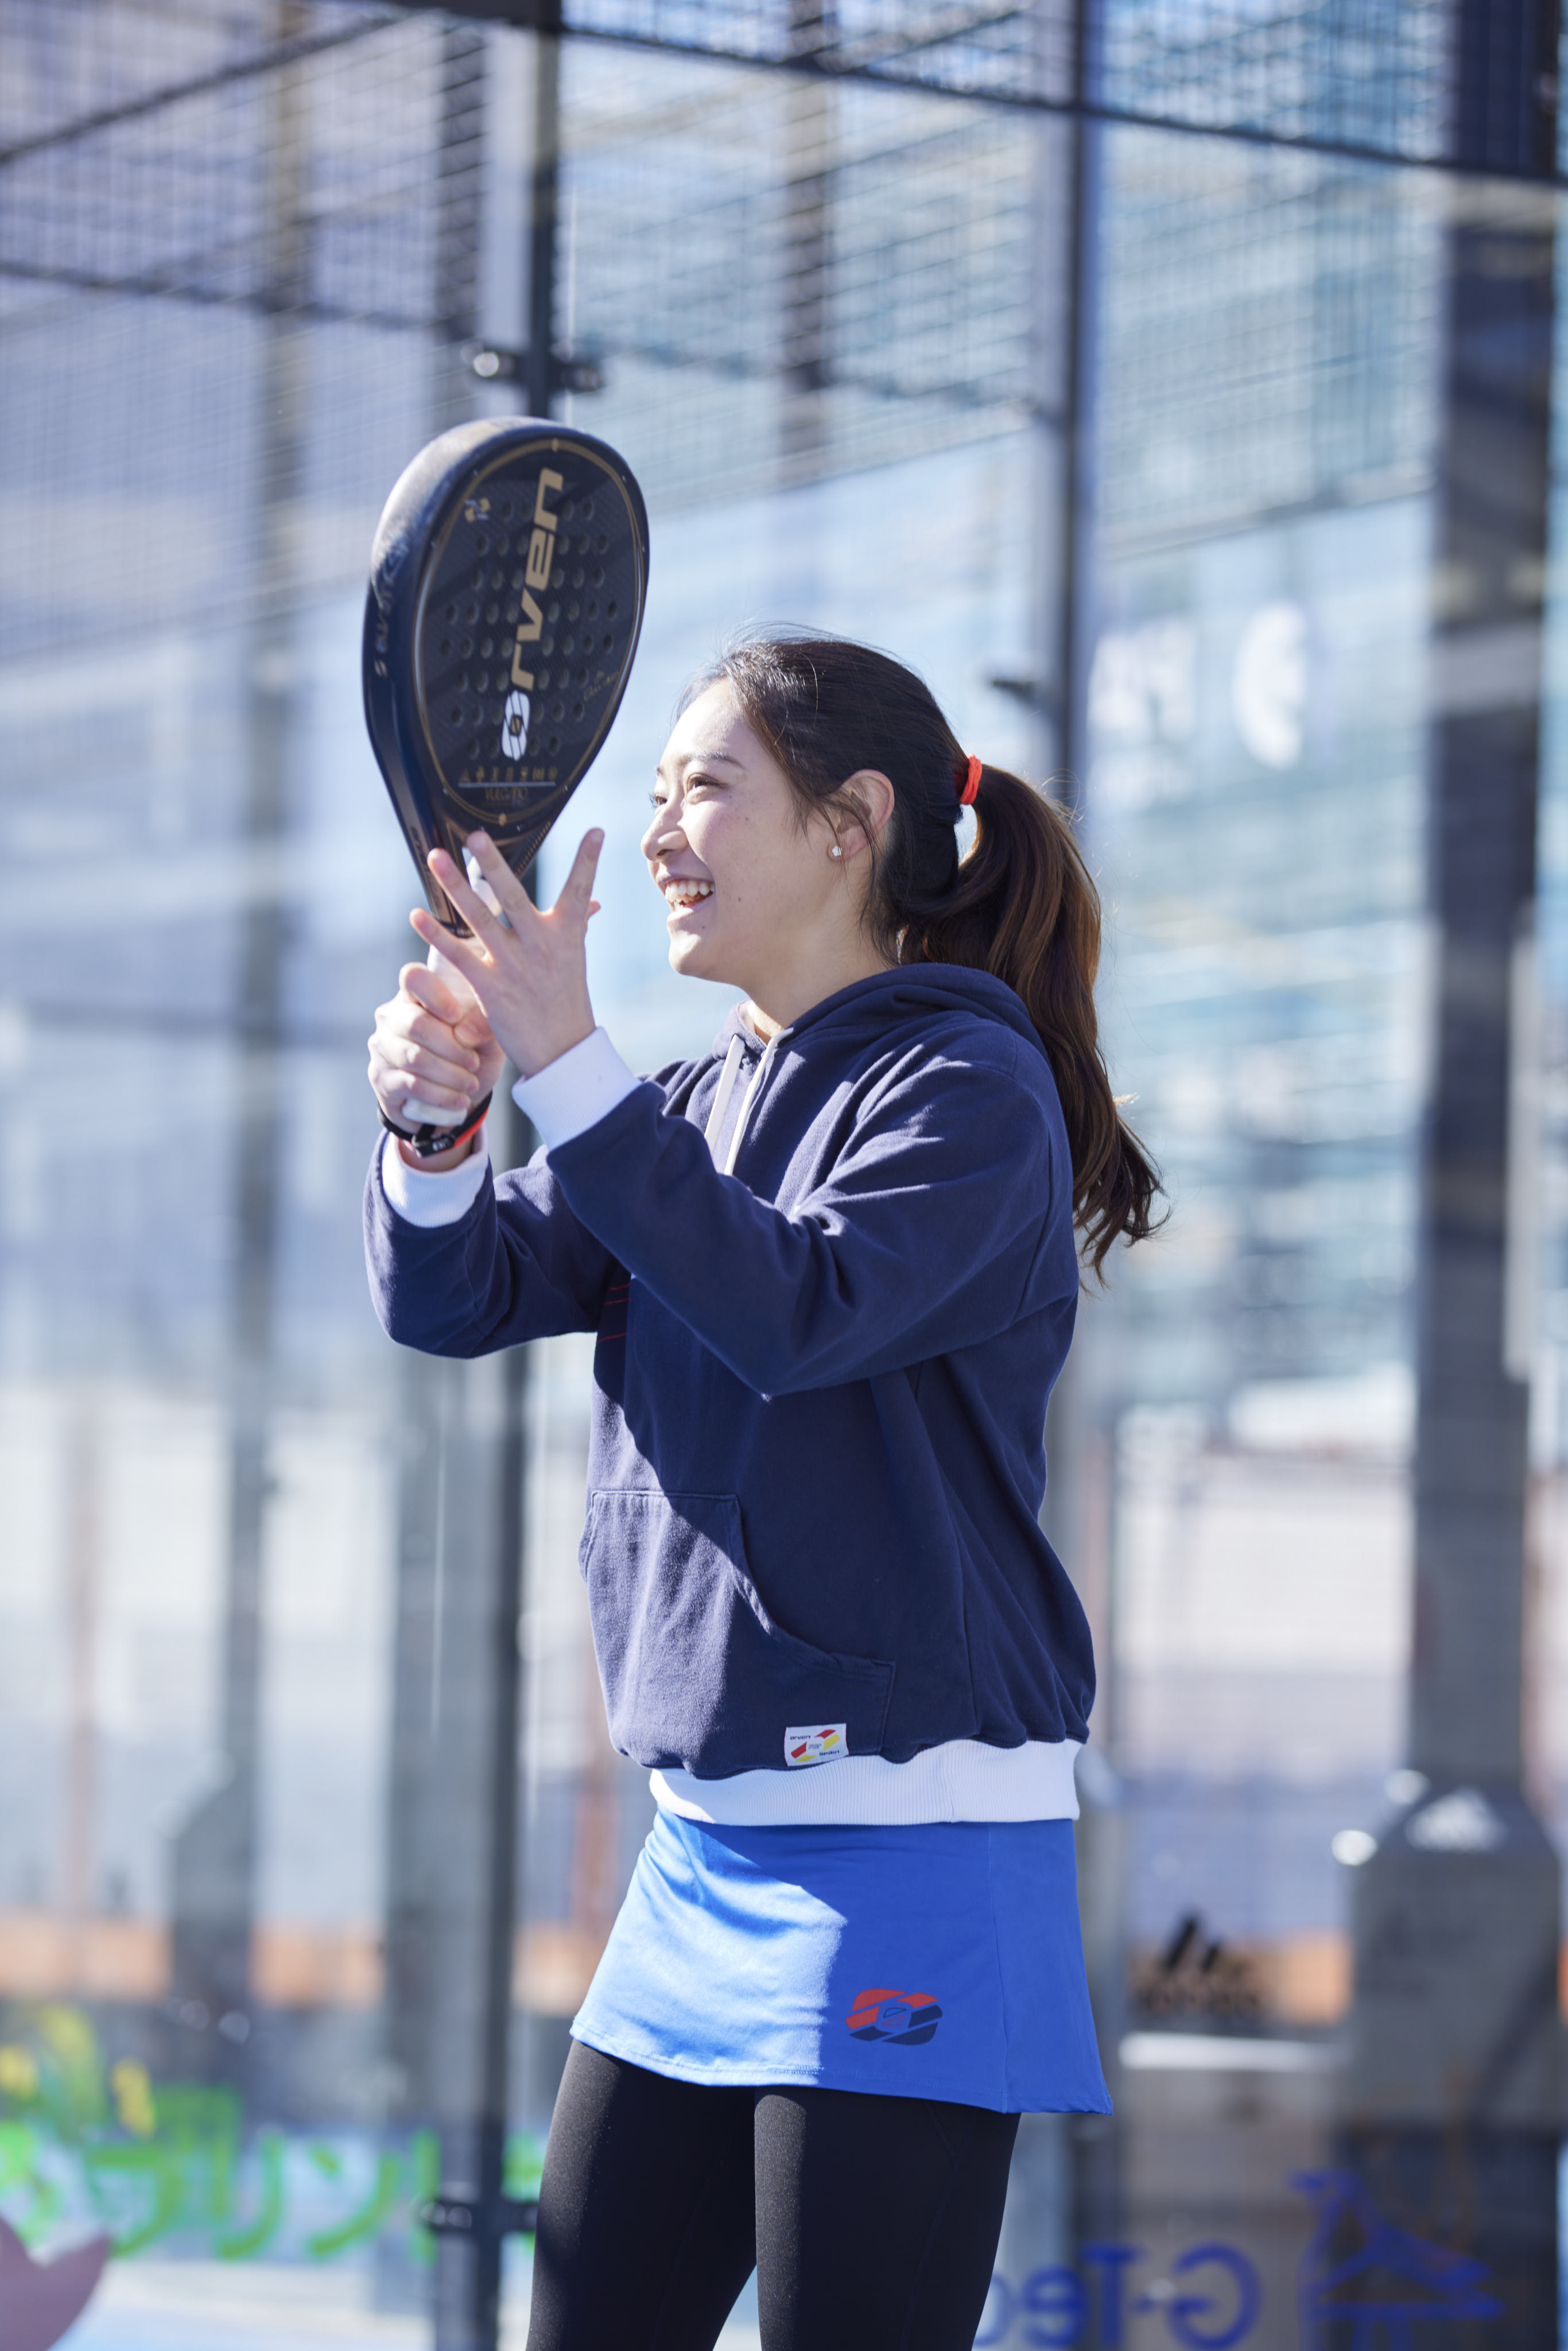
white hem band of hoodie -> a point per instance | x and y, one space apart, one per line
962 1780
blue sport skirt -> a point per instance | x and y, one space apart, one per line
936 1962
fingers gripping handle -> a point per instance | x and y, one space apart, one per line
443 1129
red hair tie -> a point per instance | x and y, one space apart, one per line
971 784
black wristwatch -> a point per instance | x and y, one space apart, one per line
428 1141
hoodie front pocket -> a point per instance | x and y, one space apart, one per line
696 1671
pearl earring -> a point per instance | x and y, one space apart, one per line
835 851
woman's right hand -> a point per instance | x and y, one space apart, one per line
431 1051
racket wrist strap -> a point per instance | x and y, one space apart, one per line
427 1141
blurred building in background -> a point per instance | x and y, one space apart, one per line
1098 361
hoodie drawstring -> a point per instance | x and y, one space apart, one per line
733 1154
714 1131
727 1076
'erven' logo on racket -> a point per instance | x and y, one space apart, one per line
905 2018
542 556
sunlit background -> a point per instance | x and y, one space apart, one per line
1100 362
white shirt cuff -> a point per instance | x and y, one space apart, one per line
574 1091
444 1197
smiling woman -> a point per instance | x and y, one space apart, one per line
762 892
830 1301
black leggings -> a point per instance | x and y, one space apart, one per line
869 2221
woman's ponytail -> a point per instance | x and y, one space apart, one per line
1021 904
1025 909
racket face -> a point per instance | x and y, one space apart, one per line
508 585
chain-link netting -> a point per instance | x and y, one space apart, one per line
241 250
1375 76
221 308
785 278
1269 328
234 292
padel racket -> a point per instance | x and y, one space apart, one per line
508 579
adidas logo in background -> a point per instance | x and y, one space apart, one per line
901 2017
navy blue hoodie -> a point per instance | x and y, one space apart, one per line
818 1455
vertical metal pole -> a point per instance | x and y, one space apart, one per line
544 211
453 1799
1081 1452
1064 2190
808 101
428 1395
470 1814
1453 2091
1075 603
84 1600
214 1853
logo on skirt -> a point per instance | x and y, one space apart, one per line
906 2017
821 1742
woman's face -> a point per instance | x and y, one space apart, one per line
753 895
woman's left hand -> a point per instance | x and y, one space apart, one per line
532 979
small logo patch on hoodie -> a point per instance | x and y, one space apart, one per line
816 1743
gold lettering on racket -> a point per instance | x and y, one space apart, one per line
532 621
541 545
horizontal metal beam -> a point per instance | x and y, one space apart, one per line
860 63
844 64
238 69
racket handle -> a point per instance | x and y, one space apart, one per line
443 1129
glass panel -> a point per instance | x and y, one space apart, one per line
1203 474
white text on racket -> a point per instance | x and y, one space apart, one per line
542 556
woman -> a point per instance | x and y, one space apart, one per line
833 1269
